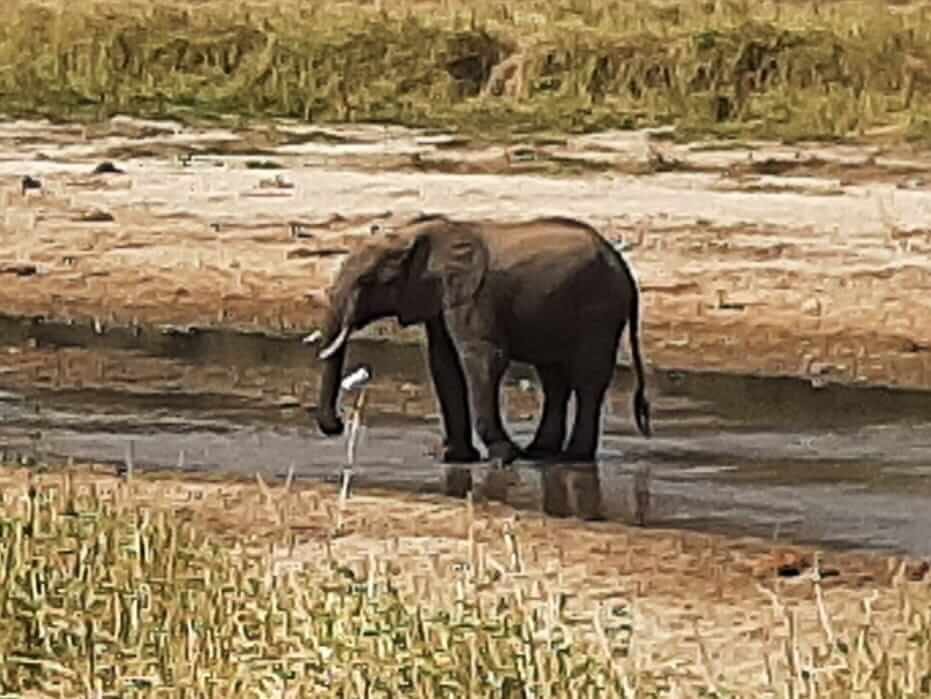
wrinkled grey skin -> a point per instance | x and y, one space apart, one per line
550 292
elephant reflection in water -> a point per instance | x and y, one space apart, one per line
575 490
557 490
572 491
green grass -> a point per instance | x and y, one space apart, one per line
773 68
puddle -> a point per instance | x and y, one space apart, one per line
837 466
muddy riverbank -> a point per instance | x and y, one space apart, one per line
808 261
837 467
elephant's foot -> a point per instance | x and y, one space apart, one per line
541 452
504 451
330 424
461 455
578 456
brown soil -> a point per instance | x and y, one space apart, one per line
808 260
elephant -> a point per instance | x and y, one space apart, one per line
551 292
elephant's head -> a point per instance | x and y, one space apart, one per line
413 274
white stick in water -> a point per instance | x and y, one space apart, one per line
357 379
354 429
313 338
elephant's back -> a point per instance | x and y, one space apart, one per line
556 279
555 245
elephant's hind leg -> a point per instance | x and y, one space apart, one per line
452 394
551 434
485 365
592 372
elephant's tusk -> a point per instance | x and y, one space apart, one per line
313 338
330 349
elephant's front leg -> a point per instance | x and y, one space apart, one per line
485 365
452 394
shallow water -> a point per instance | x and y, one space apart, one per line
835 466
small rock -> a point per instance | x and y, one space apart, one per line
819 368
811 307
304 253
96 216
522 154
30 183
288 402
786 564
20 269
297 230
178 330
107 168
916 571
277 182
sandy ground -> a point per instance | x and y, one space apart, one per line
808 260
704 611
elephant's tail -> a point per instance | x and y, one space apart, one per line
641 404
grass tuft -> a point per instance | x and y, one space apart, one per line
100 594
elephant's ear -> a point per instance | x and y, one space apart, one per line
445 270
461 261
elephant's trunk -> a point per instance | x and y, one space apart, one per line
328 419
338 326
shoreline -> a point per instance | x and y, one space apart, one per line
61 330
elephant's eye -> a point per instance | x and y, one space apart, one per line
366 279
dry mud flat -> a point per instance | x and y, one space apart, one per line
808 260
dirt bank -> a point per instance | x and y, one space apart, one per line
754 258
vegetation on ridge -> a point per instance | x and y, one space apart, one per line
780 69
